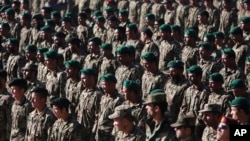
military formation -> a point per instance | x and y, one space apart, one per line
123 70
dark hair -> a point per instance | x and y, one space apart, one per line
41 92
61 103
162 106
3 74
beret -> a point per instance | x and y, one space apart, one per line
20 82
229 52
236 30
45 28
108 77
131 85
175 64
237 83
72 63
56 14
51 54
209 36
123 50
42 50
206 46
106 46
191 32
150 16
165 28
10 11
60 34
123 12
100 19
38 16
245 19
88 71
132 26
219 35
149 56
217 77
195 69
96 40
31 48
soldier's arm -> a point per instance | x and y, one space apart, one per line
62 83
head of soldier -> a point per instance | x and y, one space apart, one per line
74 44
100 21
46 12
123 15
194 2
150 19
61 107
246 5
113 21
72 69
3 80
194 74
165 32
50 59
236 34
59 38
46 33
158 23
108 11
81 18
30 52
132 52
56 16
245 23
156 104
123 120
208 3
203 17
16 5
184 127
226 4
209 38
30 72
119 33
123 55
219 38
93 45
150 61
146 35
66 23
106 50
88 78
240 109
10 14
176 31
12 45
167 4
40 54
131 91
18 86
25 19
223 129
24 4
190 36
238 88
131 31
39 98
37 20
108 83
228 58
52 24
215 82
205 50
175 68
211 115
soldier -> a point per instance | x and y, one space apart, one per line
40 120
20 109
67 28
181 14
73 86
119 39
111 99
176 33
15 27
95 5
100 31
211 116
83 30
149 22
145 9
193 10
41 68
174 88
214 13
123 18
245 27
158 126
89 102
30 54
169 49
37 22
218 94
59 43
5 108
152 77
184 129
46 37
111 27
240 110
239 89
230 71
123 4
15 60
134 11
169 16
241 47
56 79
123 122
65 128
30 75
56 16
219 45
157 9
25 33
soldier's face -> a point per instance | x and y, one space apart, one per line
214 86
187 39
209 118
70 72
92 47
57 111
193 78
108 87
40 57
225 59
126 93
248 65
118 124
129 33
30 55
204 53
235 113
150 109
49 63
37 101
222 134
174 73
27 74
17 92
180 132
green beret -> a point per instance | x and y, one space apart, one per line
109 9
149 56
131 85
52 54
100 19
229 52
206 46
74 40
217 77
156 96
4 8
112 18
204 13
131 49
106 46
72 63
13 41
157 91
240 102
245 19
176 64
60 34
184 121
60 102
209 36
88 71
147 31
123 50
10 11
96 40
237 83
219 35
42 50
175 28
123 12
246 1
18 82
195 69
26 15
165 28
66 19
56 14
248 58
31 48
150 16
235 30
191 32
5 25
132 26
108 77
45 28
97 13
38 16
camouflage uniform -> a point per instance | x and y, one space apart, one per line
158 10
181 15
78 56
122 4
150 46
209 134
241 51
192 17
135 135
69 130
100 33
39 125
145 8
138 47
204 29
134 11
92 61
19 115
169 17
42 72
214 17
96 5
190 56
24 38
107 65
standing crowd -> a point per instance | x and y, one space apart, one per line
123 70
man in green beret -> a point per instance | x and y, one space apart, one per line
20 110
132 34
15 60
111 99
123 18
169 16
67 28
195 97
239 89
219 45
56 79
127 69
88 102
230 71
30 53
212 7
119 38
99 29
46 37
124 124
149 22
35 34
41 67
145 8
240 110
25 31
82 29
157 126
207 61
152 77
5 34
176 33
59 42
15 28
245 27
112 23
134 11
218 94
175 87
